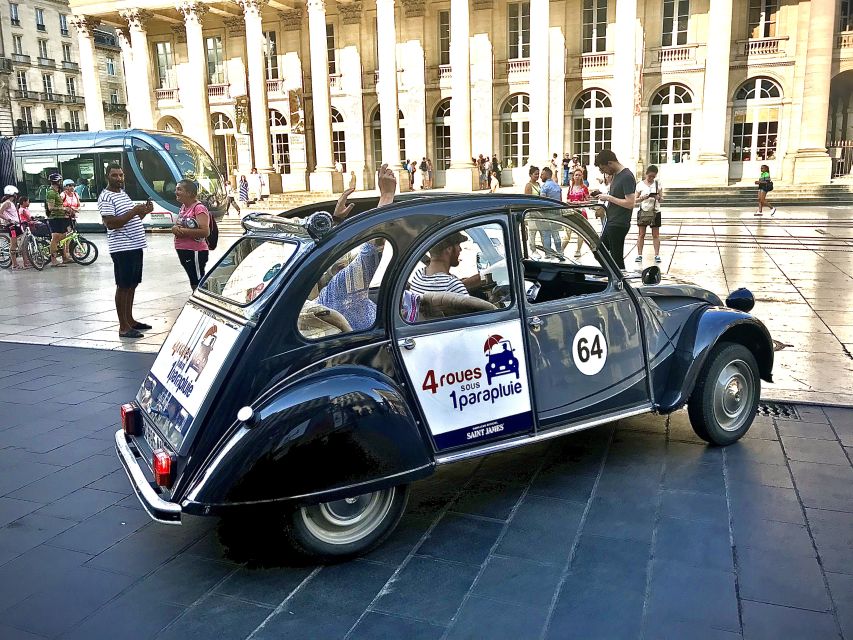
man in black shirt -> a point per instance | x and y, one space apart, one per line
620 204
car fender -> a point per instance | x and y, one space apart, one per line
332 434
705 328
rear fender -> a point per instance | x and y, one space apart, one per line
330 435
706 328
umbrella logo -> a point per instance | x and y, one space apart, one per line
500 358
491 341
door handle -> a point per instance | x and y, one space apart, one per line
407 343
534 322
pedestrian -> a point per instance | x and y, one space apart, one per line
352 180
191 231
553 165
82 189
620 204
423 169
230 200
429 174
339 167
648 198
10 215
549 231
57 218
533 188
494 183
765 186
567 169
496 165
255 186
578 192
126 240
243 191
70 200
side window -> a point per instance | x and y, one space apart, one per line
153 167
36 169
131 186
344 298
463 272
561 262
80 167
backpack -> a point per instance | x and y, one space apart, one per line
423 166
213 238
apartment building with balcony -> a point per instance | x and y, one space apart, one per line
110 68
708 89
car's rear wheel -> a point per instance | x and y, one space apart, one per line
725 399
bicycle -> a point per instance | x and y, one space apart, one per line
5 247
82 251
36 247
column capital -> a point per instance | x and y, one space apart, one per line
192 11
351 11
413 8
136 18
180 33
85 25
252 7
291 19
317 5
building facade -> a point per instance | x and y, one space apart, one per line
708 89
110 68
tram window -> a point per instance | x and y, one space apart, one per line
154 169
80 167
131 186
36 169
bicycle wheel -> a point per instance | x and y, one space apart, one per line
5 251
84 252
34 253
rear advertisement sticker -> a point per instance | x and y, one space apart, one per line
472 383
185 369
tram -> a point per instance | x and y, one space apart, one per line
153 163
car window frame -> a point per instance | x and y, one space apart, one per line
417 250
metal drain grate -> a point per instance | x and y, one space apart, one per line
778 410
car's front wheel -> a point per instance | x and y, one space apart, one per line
345 528
725 399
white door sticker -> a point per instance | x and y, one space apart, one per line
589 350
472 383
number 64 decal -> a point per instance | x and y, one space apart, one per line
589 350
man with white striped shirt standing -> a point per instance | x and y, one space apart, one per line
126 240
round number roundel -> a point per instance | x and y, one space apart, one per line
589 350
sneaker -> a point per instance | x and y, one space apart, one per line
577 254
772 212
638 259
657 258
758 213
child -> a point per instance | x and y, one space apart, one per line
765 185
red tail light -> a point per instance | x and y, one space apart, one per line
162 465
131 419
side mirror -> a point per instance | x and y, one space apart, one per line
319 224
651 275
741 299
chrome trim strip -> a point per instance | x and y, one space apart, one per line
199 485
159 509
544 435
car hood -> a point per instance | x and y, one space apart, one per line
673 287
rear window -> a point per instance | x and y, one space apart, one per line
249 267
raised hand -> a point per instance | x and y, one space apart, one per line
387 181
342 209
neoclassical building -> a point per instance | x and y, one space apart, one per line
708 89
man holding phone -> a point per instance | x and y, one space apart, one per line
126 240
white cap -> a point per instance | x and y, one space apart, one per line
10 190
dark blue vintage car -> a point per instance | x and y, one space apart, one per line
319 370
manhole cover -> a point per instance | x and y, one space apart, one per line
778 410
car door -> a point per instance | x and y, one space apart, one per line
585 344
460 337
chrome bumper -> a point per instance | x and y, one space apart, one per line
159 509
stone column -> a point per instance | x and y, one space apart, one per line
89 69
123 36
812 163
324 178
624 78
461 176
194 97
257 82
143 110
712 159
540 50
386 90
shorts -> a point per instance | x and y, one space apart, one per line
59 225
16 229
127 266
655 223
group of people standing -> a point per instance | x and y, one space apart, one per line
421 174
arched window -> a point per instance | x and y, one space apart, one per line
515 129
221 123
670 124
442 136
224 142
279 141
377 138
755 120
592 124
339 142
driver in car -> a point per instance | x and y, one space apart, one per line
436 276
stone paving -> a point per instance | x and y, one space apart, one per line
799 264
632 530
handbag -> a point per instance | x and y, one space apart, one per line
646 214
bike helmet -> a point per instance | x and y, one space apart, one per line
55 177
10 190
68 183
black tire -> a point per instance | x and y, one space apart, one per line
725 400
5 251
84 252
34 253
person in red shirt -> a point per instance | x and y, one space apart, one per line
578 192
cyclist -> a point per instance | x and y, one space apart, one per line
9 214
57 219
70 199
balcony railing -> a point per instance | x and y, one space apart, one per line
676 54
844 40
73 99
41 27
16 22
47 62
335 81
70 66
115 107
595 60
274 86
50 96
25 94
218 91
444 72
6 65
763 46
166 94
20 58
63 32
518 66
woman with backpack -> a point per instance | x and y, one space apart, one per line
191 231
765 186
648 200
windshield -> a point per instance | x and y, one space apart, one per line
194 164
249 268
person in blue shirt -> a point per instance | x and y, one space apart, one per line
550 232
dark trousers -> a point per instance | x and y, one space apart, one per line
193 263
614 239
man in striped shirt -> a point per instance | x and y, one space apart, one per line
436 276
126 240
